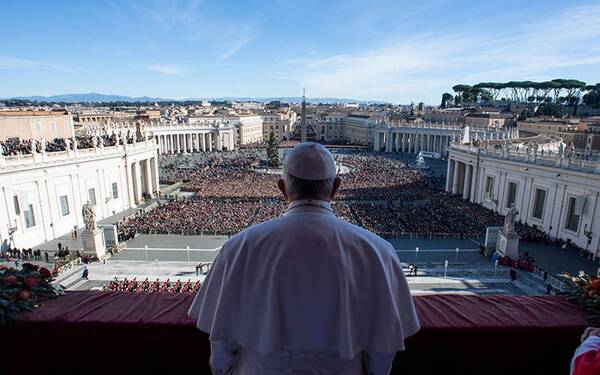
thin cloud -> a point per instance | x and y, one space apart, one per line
172 70
10 63
199 22
409 67
237 45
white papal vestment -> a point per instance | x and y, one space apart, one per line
305 293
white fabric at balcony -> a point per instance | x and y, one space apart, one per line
307 282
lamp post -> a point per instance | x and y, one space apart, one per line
146 250
157 268
445 268
416 254
188 253
456 259
495 268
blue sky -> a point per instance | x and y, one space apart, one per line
399 51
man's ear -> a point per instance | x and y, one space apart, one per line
336 185
281 186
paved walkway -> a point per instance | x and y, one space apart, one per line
466 278
555 260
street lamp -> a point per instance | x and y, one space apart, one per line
416 254
495 268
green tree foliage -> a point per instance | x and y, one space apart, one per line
272 150
446 98
562 91
550 109
593 95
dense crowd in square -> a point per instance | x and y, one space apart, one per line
383 195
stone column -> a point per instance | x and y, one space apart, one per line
467 183
148 176
397 142
155 180
455 177
137 182
203 141
376 142
230 140
449 175
473 184
388 141
219 143
404 142
210 142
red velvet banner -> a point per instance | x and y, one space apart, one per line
94 332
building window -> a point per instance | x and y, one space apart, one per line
115 190
539 203
92 196
64 205
511 195
29 216
573 215
489 187
17 206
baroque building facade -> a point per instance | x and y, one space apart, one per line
42 194
549 187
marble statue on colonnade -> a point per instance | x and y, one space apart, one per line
89 217
92 237
509 221
508 239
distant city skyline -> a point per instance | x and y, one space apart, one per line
390 51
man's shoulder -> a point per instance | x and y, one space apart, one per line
350 233
355 232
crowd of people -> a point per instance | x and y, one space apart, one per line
14 147
148 286
383 195
24 254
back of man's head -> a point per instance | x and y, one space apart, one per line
309 172
297 188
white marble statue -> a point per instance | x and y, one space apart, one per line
561 150
89 217
509 221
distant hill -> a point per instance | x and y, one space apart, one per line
103 98
89 98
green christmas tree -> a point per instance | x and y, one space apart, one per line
272 150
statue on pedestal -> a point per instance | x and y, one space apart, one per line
561 150
509 221
89 217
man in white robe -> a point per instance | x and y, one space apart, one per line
305 293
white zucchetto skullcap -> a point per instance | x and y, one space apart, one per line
310 161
